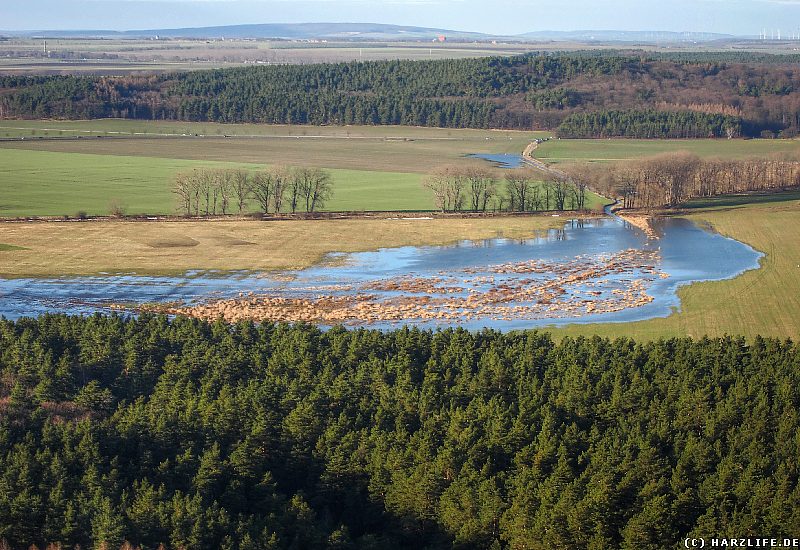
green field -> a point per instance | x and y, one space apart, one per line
602 150
43 183
134 163
36 183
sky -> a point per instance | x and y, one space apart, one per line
746 17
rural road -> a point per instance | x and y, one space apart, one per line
530 160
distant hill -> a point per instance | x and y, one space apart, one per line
625 36
303 31
372 31
289 31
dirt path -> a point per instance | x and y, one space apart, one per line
529 160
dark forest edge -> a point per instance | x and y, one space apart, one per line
210 435
583 94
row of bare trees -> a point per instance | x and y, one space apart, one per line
475 188
674 178
210 192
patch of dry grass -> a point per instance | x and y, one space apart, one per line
79 248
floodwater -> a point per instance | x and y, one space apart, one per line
501 160
598 270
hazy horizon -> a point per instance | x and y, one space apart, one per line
503 17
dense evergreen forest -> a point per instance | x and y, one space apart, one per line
698 94
200 435
649 124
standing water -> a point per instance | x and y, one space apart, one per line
598 270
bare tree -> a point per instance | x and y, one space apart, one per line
196 190
282 176
240 182
183 192
580 176
436 183
482 185
268 187
672 179
262 187
560 188
314 187
447 184
318 188
204 182
520 187
295 188
222 182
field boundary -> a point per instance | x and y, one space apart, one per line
306 216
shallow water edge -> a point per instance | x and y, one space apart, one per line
590 271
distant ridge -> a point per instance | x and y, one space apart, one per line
626 36
288 31
372 31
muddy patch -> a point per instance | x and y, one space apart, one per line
173 242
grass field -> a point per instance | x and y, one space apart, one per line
371 171
601 150
765 301
374 167
90 247
36 183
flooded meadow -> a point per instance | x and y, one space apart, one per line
596 270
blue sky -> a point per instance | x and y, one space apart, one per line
491 16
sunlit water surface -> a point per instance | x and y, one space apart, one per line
685 253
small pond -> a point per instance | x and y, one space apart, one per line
597 270
501 160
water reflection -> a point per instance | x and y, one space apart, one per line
579 273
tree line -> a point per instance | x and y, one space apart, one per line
672 179
149 431
475 188
614 94
210 192
650 124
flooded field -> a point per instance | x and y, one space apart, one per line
599 270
